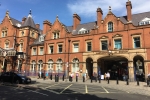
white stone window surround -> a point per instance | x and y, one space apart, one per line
33 66
110 25
59 47
75 46
101 43
75 65
49 48
41 50
50 65
21 47
135 36
59 65
117 38
88 41
34 51
56 35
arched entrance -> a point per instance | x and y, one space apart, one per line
138 63
5 65
117 66
89 66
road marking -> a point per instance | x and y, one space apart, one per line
66 88
86 90
51 91
51 86
105 89
37 92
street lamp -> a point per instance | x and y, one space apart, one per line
15 57
110 53
68 59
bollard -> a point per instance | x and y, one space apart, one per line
138 81
117 80
91 79
99 79
83 79
127 81
71 79
76 78
108 80
63 78
55 78
147 82
51 76
95 79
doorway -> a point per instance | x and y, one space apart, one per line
89 67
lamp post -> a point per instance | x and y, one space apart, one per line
110 53
15 59
68 59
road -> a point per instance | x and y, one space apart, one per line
66 91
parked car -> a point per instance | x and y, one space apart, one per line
14 78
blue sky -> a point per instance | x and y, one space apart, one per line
49 9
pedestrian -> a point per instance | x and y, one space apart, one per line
105 76
38 75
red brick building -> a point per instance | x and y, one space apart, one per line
111 43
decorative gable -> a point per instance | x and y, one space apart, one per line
103 37
117 35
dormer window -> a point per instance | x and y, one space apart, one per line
41 39
56 35
32 35
22 33
83 31
145 21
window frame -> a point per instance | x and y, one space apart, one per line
40 50
87 46
102 40
34 53
136 36
58 48
74 47
110 26
115 43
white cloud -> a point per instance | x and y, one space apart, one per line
87 8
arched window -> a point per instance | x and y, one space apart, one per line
33 64
40 65
110 27
50 65
75 65
59 65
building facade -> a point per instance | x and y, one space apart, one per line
115 44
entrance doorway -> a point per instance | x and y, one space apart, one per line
89 67
117 66
138 62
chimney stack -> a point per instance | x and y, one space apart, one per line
76 21
46 26
23 19
129 7
99 16
37 26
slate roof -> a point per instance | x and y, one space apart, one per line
37 42
15 22
29 22
136 18
87 26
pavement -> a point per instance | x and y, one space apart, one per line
133 88
141 89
